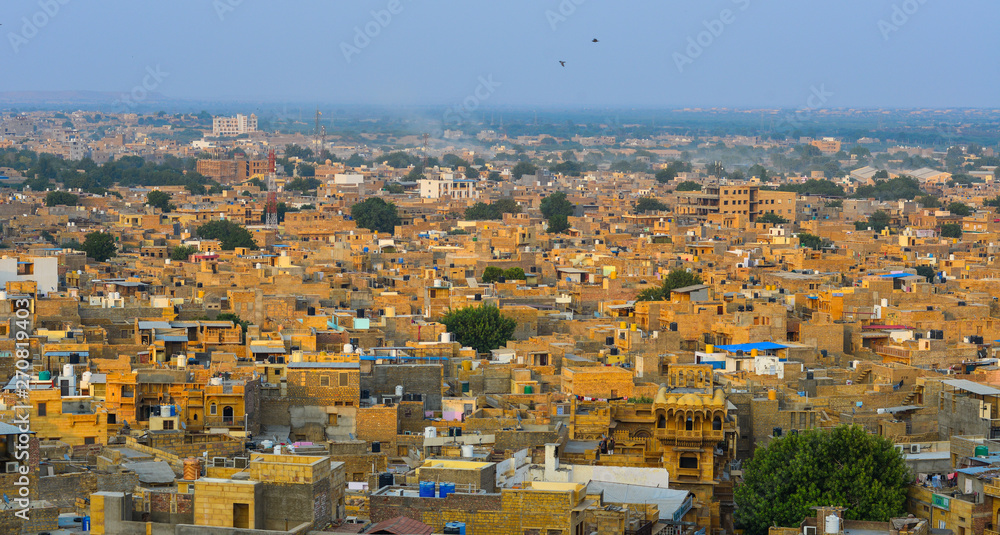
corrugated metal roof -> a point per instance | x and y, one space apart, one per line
154 325
970 386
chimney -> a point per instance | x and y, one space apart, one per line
551 459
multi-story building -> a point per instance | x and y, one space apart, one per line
234 126
739 199
827 145
448 186
237 170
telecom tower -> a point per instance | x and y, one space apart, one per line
272 193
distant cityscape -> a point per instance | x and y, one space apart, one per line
238 323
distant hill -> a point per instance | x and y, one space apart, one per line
53 98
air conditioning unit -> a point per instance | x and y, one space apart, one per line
914 448
219 461
809 530
11 467
240 462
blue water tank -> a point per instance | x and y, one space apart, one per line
444 489
85 525
457 528
426 489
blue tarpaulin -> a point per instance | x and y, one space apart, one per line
746 348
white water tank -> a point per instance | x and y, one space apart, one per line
215 381
832 524
277 449
348 348
430 432
68 370
467 451
85 382
399 390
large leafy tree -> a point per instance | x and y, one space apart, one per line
376 215
54 198
844 466
951 230
677 278
523 168
877 221
231 235
159 199
959 209
182 252
558 224
688 185
649 204
99 246
556 204
811 241
492 274
771 219
481 328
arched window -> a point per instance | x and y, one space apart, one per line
689 425
717 424
661 422
212 409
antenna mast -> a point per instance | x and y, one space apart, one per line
272 192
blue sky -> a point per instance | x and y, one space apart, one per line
858 53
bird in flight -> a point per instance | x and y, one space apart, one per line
594 41
563 63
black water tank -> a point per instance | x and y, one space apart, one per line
930 307
386 479
776 432
823 352
609 341
809 375
479 297
741 308
502 279
614 350
361 312
376 447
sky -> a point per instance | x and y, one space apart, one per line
650 54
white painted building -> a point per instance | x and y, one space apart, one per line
44 271
448 186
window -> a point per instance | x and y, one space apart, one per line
168 425
689 425
331 419
212 409
689 461
324 380
112 418
90 440
343 379
42 409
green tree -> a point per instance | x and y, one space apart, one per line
523 168
285 209
161 200
877 221
758 171
514 273
303 185
959 209
951 230
556 204
929 201
926 271
666 175
195 188
836 203
182 252
229 234
494 176
881 174
394 187
65 198
376 215
558 224
649 204
99 246
688 185
811 241
678 278
481 328
845 466
492 274
771 219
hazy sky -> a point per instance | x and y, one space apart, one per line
845 53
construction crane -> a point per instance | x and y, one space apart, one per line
271 208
